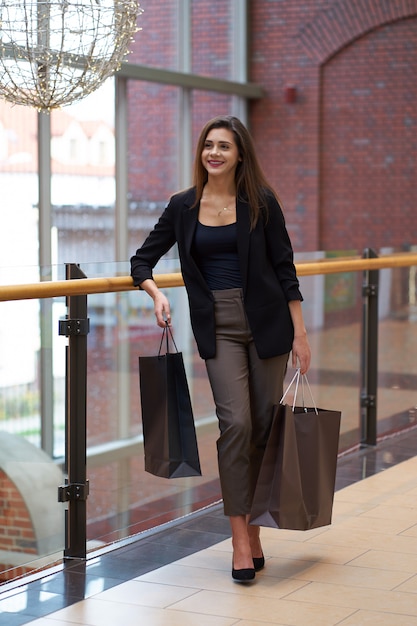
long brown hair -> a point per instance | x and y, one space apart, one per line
251 184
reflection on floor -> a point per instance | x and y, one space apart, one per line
148 564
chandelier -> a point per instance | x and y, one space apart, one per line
54 52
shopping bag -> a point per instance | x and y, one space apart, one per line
295 487
169 435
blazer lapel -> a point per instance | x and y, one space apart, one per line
190 216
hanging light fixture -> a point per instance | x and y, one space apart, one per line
54 52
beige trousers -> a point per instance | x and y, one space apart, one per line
245 389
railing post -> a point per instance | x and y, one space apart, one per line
75 491
369 354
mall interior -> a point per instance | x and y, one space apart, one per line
328 91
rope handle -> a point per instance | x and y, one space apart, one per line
167 333
296 379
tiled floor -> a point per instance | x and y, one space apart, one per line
360 570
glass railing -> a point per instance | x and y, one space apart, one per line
123 500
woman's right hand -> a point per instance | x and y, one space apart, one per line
162 309
160 301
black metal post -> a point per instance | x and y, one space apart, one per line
75 490
369 354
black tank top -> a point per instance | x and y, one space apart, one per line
215 252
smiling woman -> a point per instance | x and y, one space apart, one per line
245 306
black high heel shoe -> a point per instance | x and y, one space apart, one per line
258 563
245 575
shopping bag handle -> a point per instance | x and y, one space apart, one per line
296 378
167 332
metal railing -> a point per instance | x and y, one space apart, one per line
76 326
115 284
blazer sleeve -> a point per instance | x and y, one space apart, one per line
158 242
280 251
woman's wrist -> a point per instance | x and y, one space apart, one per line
300 334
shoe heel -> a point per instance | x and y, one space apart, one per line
258 563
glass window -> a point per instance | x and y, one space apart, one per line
83 178
19 193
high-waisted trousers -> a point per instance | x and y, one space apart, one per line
245 389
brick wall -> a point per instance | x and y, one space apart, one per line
342 157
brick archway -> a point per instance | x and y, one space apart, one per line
367 109
368 151
336 27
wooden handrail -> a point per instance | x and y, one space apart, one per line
85 286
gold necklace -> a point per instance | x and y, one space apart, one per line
224 209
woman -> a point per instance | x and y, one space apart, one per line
245 307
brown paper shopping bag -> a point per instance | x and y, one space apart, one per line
295 488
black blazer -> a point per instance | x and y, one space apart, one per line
266 264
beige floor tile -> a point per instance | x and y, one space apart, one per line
410 532
359 496
391 525
278 567
200 579
402 500
350 576
356 597
273 535
372 493
210 558
388 511
312 552
343 509
145 593
356 537
406 485
95 612
410 586
242 606
282 543
382 560
286 557
373 618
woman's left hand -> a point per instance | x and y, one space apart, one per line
301 352
300 345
